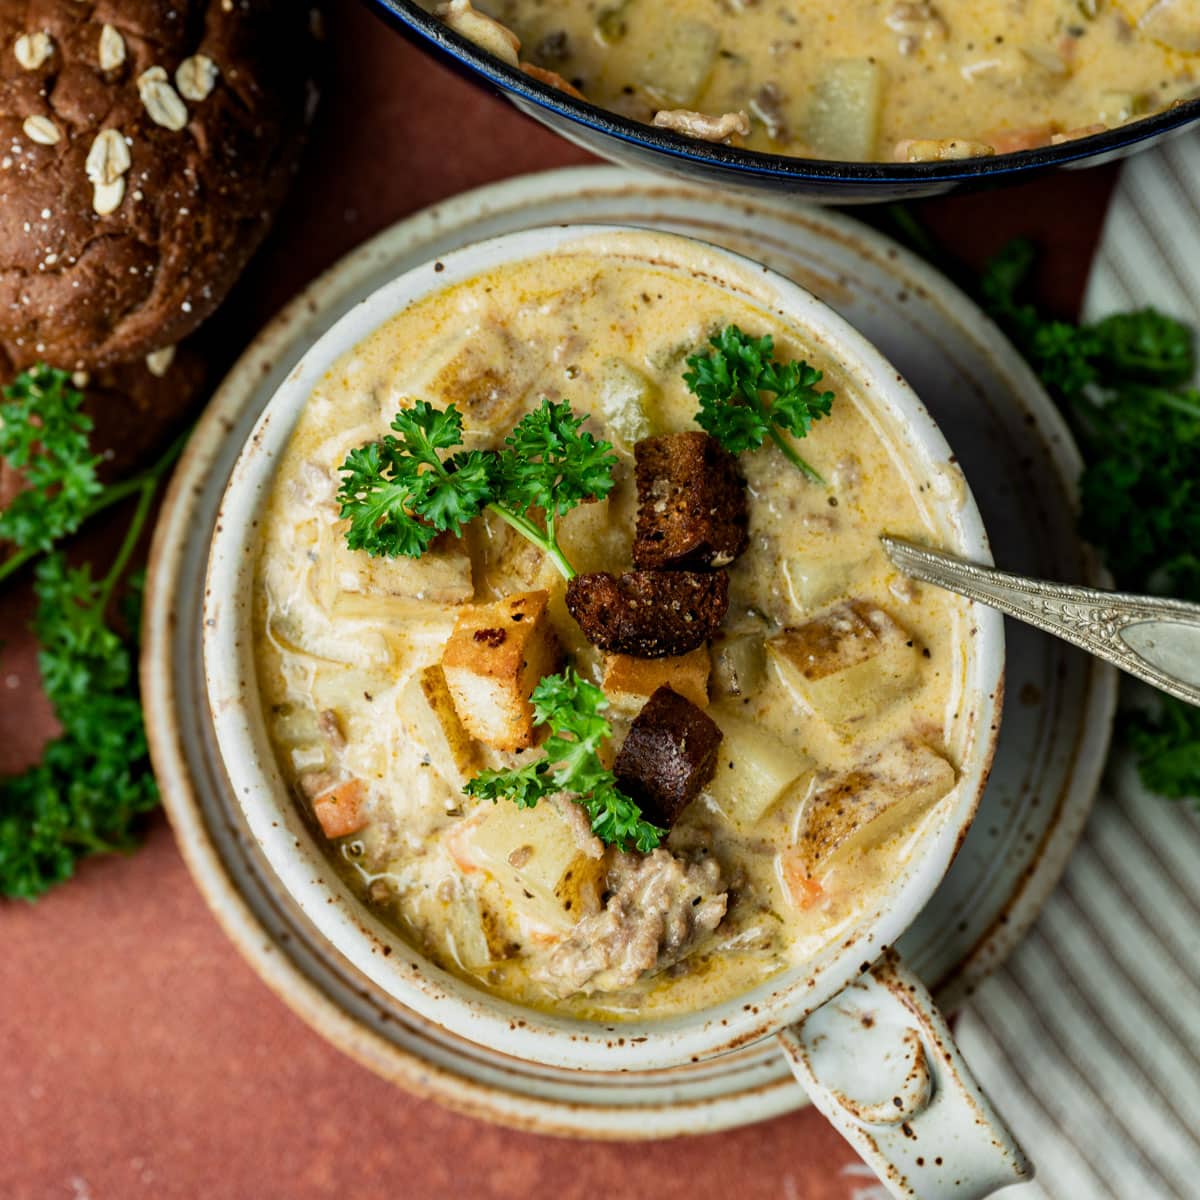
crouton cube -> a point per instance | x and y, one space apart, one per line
667 756
339 811
692 508
754 770
493 661
649 614
629 682
847 665
549 874
863 808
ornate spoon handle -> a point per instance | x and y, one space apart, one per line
1157 640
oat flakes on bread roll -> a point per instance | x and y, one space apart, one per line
145 146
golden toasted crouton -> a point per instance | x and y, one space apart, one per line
848 664
629 681
861 809
493 661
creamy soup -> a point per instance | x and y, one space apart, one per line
861 79
834 684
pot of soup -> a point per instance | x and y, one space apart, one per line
864 101
558 669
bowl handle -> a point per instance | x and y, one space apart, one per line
879 1061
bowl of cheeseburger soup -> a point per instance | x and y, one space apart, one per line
557 666
870 100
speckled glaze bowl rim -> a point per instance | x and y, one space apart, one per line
304 870
678 152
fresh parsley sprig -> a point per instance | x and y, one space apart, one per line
44 435
731 382
399 493
1122 382
573 709
94 781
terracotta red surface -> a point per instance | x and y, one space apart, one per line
139 1056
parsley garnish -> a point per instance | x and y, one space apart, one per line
44 434
573 709
94 779
399 493
1122 383
730 382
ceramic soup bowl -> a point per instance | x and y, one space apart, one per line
861 1033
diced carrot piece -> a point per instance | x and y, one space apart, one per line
457 840
805 891
339 810
553 79
1009 141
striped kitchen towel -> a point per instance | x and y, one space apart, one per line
1088 1039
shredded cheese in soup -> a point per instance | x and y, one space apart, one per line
836 684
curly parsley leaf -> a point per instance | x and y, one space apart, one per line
44 436
731 381
1123 383
573 709
552 464
1167 743
399 493
94 782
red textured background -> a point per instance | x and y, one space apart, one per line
139 1056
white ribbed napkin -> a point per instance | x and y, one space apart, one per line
1088 1039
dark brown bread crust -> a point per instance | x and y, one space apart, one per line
80 289
649 614
692 510
668 755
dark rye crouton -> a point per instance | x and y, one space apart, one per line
649 614
668 756
692 509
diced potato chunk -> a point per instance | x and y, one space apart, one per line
819 576
1116 107
847 665
739 665
1174 23
535 857
678 65
628 400
861 809
628 681
493 661
754 769
355 585
843 118
592 537
432 722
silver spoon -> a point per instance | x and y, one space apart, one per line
1155 639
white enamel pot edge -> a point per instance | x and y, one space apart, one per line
289 845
